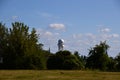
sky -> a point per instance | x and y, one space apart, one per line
80 23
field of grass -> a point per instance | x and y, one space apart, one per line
57 75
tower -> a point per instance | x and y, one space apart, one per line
60 44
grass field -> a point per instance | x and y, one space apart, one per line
57 75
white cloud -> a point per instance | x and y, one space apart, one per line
115 35
90 35
76 36
103 37
47 33
57 33
57 26
14 17
104 30
44 33
107 36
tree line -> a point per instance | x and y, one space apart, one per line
20 49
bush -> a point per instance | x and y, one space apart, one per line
63 60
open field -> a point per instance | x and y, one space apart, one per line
57 75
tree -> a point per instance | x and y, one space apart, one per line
81 58
22 48
63 60
98 57
117 58
3 42
112 64
17 37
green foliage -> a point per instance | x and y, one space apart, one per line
111 64
118 62
98 58
63 60
3 42
81 58
20 48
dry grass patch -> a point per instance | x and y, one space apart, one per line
57 75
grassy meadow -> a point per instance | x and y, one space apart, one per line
57 75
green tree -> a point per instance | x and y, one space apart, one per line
63 60
23 49
98 57
112 64
18 34
117 58
3 42
81 58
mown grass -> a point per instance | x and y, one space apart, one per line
57 75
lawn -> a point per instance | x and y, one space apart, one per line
57 75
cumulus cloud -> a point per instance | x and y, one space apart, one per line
44 33
115 35
105 30
103 37
76 36
14 17
107 36
47 33
90 35
57 26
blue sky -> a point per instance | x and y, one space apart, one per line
81 23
